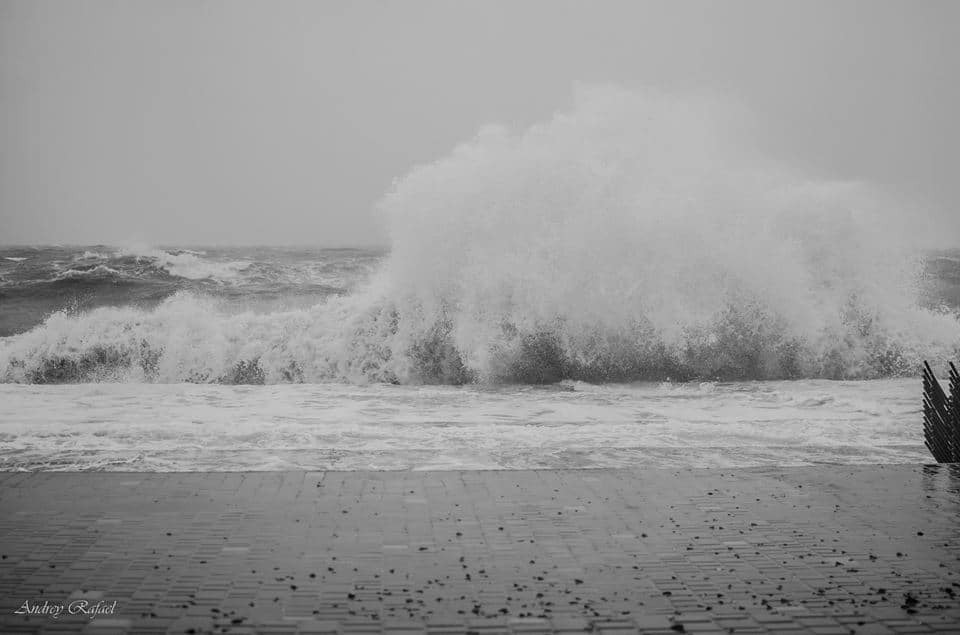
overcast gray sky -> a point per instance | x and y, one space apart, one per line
202 122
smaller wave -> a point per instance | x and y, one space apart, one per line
182 263
13 259
99 271
189 266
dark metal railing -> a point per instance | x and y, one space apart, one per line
941 416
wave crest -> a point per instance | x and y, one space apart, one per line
182 263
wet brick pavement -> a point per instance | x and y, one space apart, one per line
825 549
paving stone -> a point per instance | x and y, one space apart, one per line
823 550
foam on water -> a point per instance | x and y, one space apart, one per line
202 427
637 235
91 272
189 264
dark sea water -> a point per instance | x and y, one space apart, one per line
37 281
941 279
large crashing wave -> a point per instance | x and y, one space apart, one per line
635 237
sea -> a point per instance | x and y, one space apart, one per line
631 282
165 359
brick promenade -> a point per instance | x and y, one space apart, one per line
825 549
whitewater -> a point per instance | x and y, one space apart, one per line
629 281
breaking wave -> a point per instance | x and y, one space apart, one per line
637 236
182 263
96 271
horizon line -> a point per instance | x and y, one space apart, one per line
161 245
